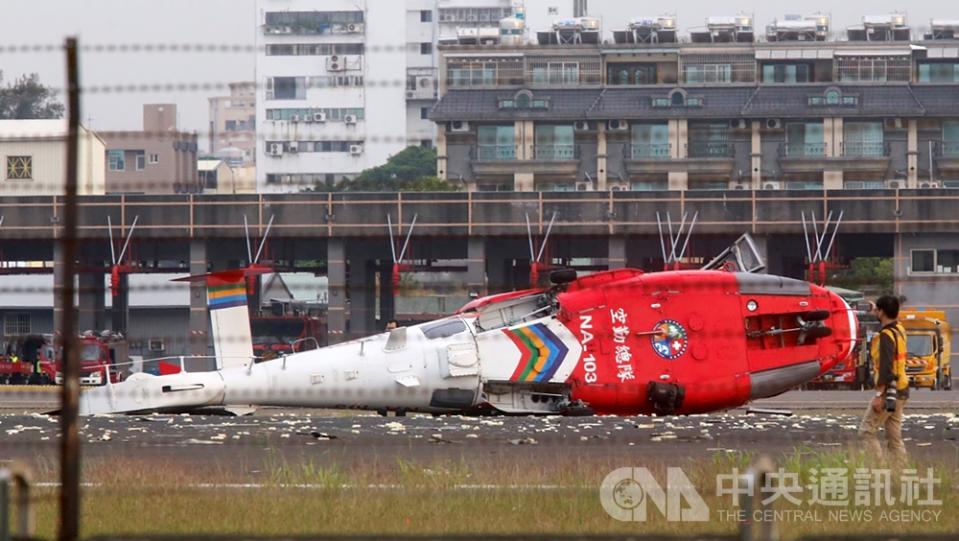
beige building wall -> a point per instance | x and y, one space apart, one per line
233 122
43 142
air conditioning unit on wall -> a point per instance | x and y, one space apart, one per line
618 125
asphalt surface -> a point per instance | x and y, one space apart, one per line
823 420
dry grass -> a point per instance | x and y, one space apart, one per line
548 494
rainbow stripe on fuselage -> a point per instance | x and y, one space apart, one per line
541 352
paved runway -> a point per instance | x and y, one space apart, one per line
346 439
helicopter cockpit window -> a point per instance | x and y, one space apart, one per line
513 311
396 340
443 329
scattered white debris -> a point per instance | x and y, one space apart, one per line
219 437
323 436
395 426
523 441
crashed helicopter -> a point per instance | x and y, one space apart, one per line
617 342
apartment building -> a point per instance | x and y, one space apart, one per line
232 133
159 159
345 84
724 107
331 78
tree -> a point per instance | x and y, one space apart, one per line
28 98
411 170
867 274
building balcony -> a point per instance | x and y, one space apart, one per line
866 150
947 155
812 158
547 159
649 151
703 158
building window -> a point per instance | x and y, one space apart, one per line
555 73
708 140
786 73
116 160
631 74
19 167
313 22
424 113
863 139
805 139
16 324
649 142
426 48
497 143
937 261
873 68
554 142
426 143
939 72
231 125
141 160
426 16
286 88
154 158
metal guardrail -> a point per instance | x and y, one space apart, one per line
802 150
866 150
15 488
640 151
480 213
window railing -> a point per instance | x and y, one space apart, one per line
649 151
710 150
802 150
948 149
555 152
495 153
866 150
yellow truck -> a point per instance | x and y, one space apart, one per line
927 345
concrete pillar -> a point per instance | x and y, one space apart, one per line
336 276
519 139
912 154
91 306
386 298
617 252
678 180
837 126
476 266
523 182
756 156
678 136
601 156
58 283
442 166
529 140
832 180
198 339
362 295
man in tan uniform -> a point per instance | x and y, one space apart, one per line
889 354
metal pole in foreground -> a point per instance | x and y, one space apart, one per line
70 393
